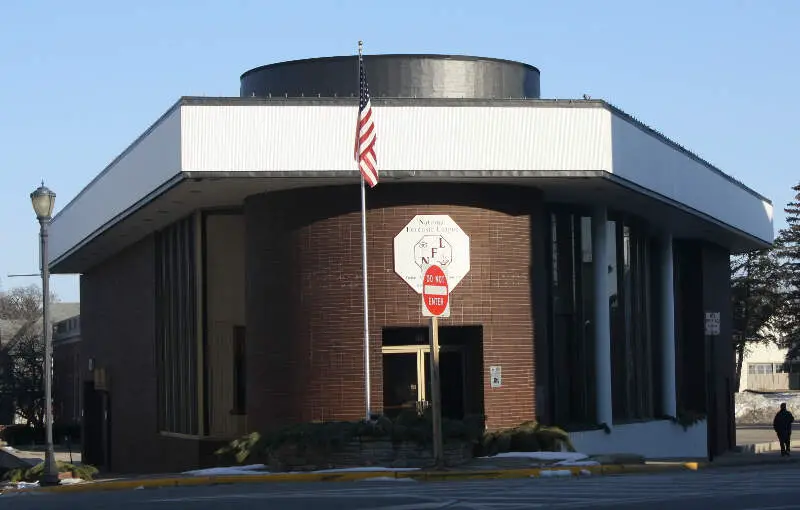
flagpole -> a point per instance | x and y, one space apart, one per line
367 382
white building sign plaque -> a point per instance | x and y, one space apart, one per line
712 323
427 240
496 376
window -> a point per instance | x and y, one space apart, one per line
761 368
176 333
571 341
634 368
239 374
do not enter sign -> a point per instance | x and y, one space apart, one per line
435 292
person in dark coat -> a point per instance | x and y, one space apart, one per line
783 428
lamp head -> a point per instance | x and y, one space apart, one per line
43 201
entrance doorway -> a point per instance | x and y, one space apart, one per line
96 434
406 370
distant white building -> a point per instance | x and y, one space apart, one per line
765 369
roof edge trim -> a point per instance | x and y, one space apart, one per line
683 150
433 56
622 181
160 190
176 105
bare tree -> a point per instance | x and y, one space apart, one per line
22 354
24 383
21 303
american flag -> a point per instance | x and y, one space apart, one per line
365 131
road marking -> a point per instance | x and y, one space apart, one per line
782 507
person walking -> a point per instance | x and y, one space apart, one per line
783 428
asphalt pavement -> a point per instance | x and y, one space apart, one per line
746 488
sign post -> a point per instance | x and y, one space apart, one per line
436 301
712 329
432 255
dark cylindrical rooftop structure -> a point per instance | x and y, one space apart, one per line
420 76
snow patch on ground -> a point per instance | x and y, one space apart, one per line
71 481
261 469
577 463
26 485
554 473
549 458
757 408
364 470
227 471
387 479
545 456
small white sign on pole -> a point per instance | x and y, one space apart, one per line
712 323
431 239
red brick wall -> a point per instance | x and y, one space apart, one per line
304 295
118 331
66 383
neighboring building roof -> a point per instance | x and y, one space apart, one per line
58 312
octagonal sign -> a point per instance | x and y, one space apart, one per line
431 239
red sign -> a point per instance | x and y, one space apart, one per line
435 292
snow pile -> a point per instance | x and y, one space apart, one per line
226 471
758 408
577 463
388 479
364 470
261 469
555 473
26 485
549 458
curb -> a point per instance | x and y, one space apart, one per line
423 476
765 447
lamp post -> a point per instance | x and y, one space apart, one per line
43 202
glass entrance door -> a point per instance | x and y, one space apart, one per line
401 388
406 379
451 380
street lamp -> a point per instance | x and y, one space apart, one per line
43 202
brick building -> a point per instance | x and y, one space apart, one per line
220 265
67 374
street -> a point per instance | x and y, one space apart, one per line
752 488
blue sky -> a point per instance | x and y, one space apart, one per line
82 79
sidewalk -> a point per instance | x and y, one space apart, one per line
497 469
491 468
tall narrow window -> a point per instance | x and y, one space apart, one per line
572 331
239 374
631 329
176 323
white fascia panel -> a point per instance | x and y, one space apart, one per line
147 164
320 138
647 161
